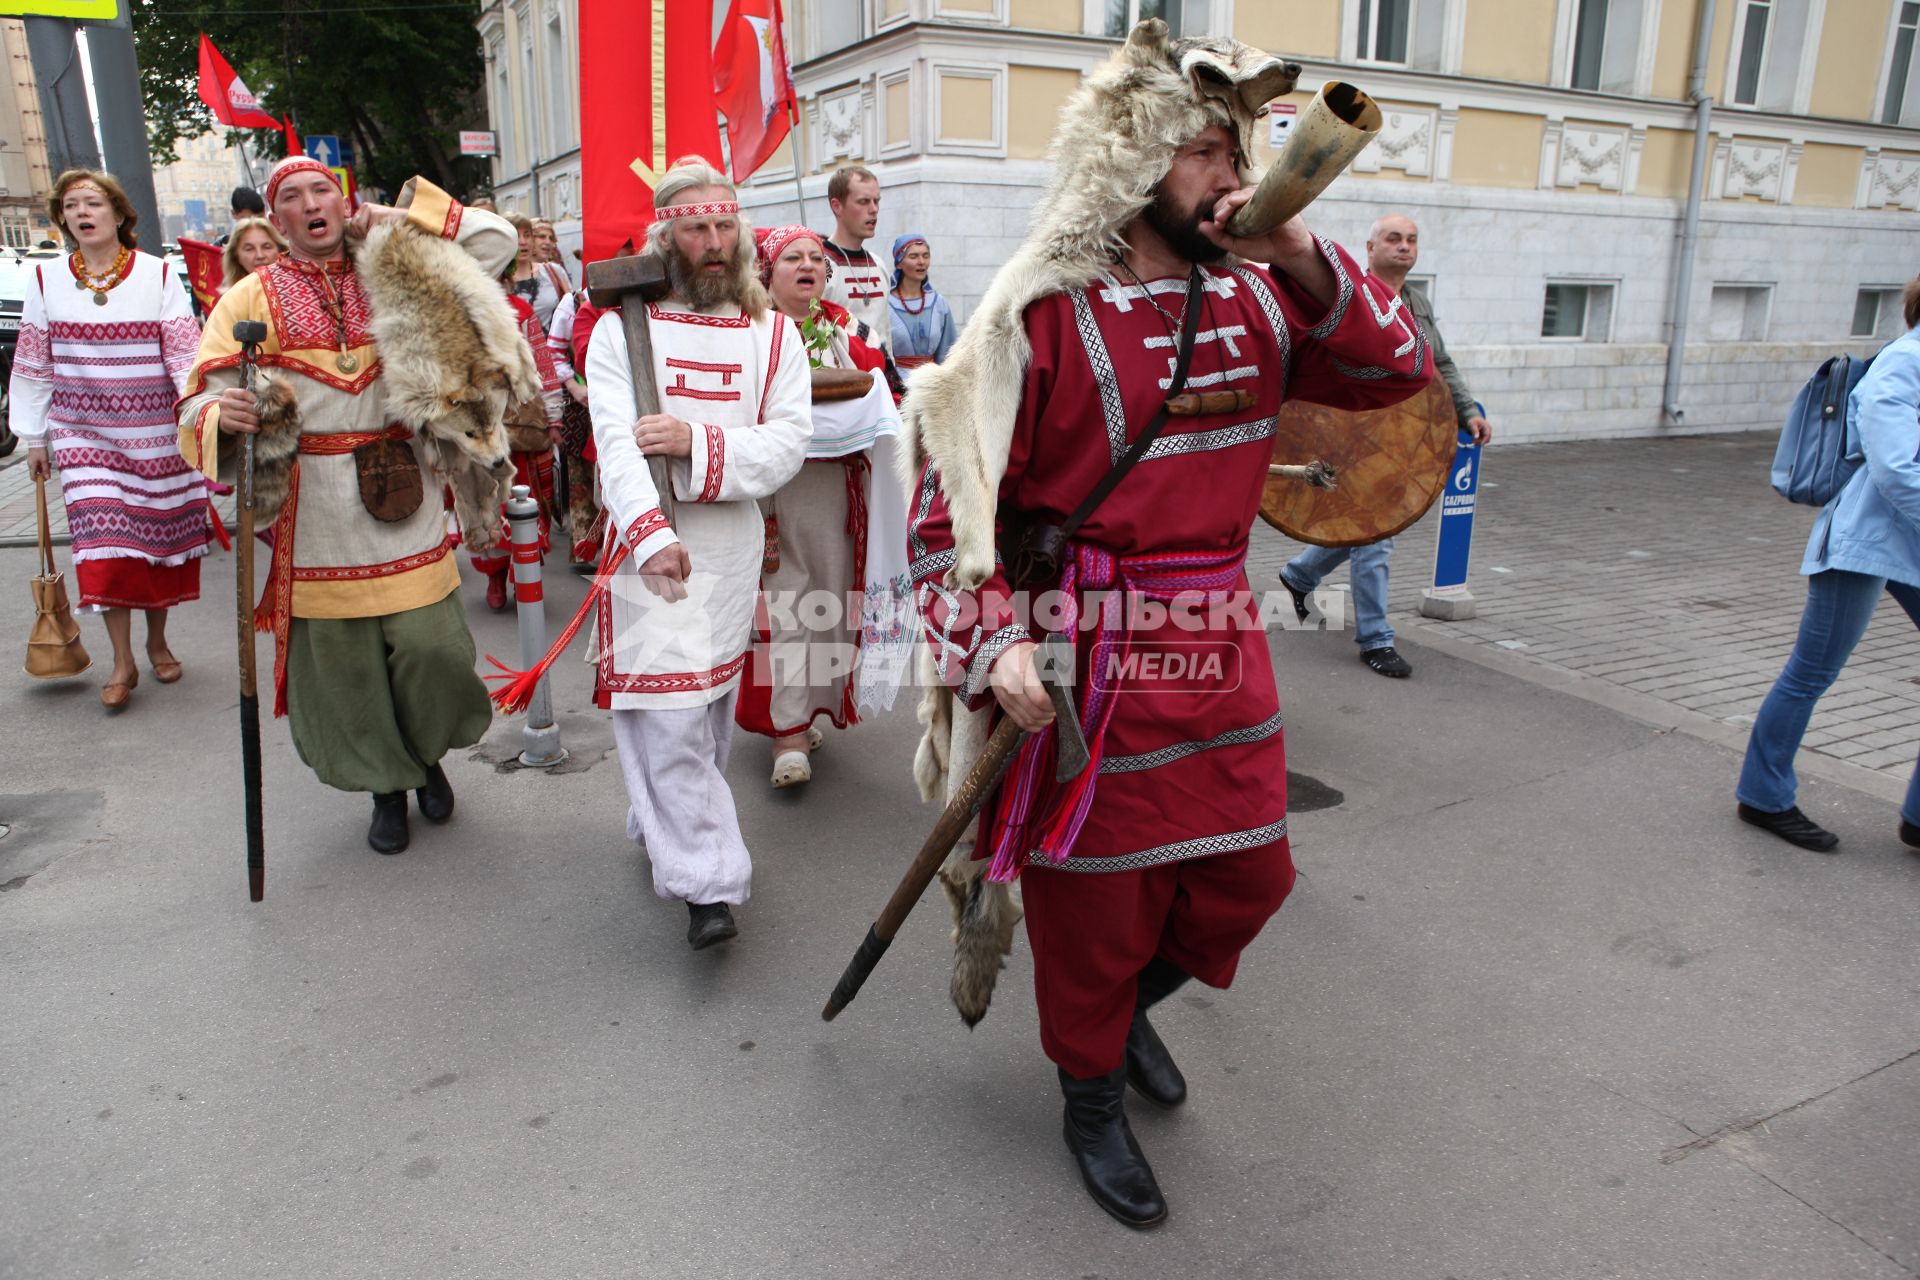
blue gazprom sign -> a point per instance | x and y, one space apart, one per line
1455 545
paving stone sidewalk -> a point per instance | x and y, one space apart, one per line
1665 567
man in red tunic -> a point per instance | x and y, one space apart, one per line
1167 856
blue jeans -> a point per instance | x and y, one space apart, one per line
1368 574
1839 606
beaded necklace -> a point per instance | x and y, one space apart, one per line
102 284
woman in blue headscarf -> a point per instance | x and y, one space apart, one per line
923 327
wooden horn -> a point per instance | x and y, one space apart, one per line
1336 126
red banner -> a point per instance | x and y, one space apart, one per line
205 271
753 83
646 99
227 94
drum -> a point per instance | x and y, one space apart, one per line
1392 463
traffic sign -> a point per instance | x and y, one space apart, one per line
324 147
477 142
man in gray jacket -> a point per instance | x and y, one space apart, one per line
1393 247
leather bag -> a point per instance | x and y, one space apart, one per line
54 650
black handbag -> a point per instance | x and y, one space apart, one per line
1032 549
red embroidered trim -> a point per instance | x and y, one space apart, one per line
451 227
716 462
675 682
711 209
773 362
694 393
701 366
300 319
693 317
361 572
649 523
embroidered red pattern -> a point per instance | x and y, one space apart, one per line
295 298
649 523
780 326
680 388
451 227
362 572
671 682
694 317
716 462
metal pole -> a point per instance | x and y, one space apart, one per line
63 95
123 124
541 734
1682 300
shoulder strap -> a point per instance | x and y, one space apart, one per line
1189 325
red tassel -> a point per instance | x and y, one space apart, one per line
219 527
517 691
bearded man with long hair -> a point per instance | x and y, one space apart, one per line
734 423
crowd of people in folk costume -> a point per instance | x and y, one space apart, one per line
711 520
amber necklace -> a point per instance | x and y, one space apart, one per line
100 285
345 362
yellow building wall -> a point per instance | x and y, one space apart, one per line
890 9
1508 40
1298 30
1828 177
1497 149
1673 56
966 109
1853 45
899 108
968 6
1717 54
1034 98
1666 163
1041 15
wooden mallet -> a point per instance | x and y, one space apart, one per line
630 283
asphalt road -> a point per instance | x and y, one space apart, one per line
1539 1007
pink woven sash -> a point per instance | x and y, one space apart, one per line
1033 813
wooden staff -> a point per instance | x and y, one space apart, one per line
1315 474
249 334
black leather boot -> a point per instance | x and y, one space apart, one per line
436 798
1150 1068
1111 1163
388 834
708 923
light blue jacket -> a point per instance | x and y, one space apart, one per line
1872 526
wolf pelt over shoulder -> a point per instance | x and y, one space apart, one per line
452 360
1115 141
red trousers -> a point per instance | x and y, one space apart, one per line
1092 933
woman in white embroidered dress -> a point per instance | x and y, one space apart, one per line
106 340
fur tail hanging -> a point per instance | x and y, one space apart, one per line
517 691
984 915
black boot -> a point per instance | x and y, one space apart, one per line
388 834
1111 1163
1150 1068
708 923
436 798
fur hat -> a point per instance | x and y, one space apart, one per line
1116 141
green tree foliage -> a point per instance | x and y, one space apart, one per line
397 77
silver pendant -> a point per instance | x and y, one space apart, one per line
99 299
79 283
344 362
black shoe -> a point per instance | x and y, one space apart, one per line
708 923
1909 834
388 834
1387 661
1795 827
1300 597
1150 1068
436 798
1111 1163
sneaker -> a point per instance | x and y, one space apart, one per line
1387 661
1300 606
1792 826
1909 834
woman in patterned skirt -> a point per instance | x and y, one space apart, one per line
106 339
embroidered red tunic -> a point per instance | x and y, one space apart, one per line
1192 757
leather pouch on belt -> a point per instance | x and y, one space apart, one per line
390 483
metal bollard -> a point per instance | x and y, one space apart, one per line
543 748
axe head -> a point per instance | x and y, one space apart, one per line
250 333
1054 662
610 281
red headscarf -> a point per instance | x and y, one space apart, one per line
771 242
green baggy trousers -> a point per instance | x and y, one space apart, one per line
374 701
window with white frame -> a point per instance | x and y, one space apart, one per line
1739 312
1770 43
19 232
1577 310
1606 44
1183 17
833 25
1876 313
1900 104
1409 33
529 87
559 100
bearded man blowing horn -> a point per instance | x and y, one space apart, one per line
1167 855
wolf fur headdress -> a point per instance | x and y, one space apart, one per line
1116 141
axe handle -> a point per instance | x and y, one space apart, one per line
960 811
646 395
1192 404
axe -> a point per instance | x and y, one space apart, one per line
249 334
1054 661
630 283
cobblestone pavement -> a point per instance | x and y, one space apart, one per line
1666 568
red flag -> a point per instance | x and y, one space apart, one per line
646 99
205 271
293 136
753 83
227 94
